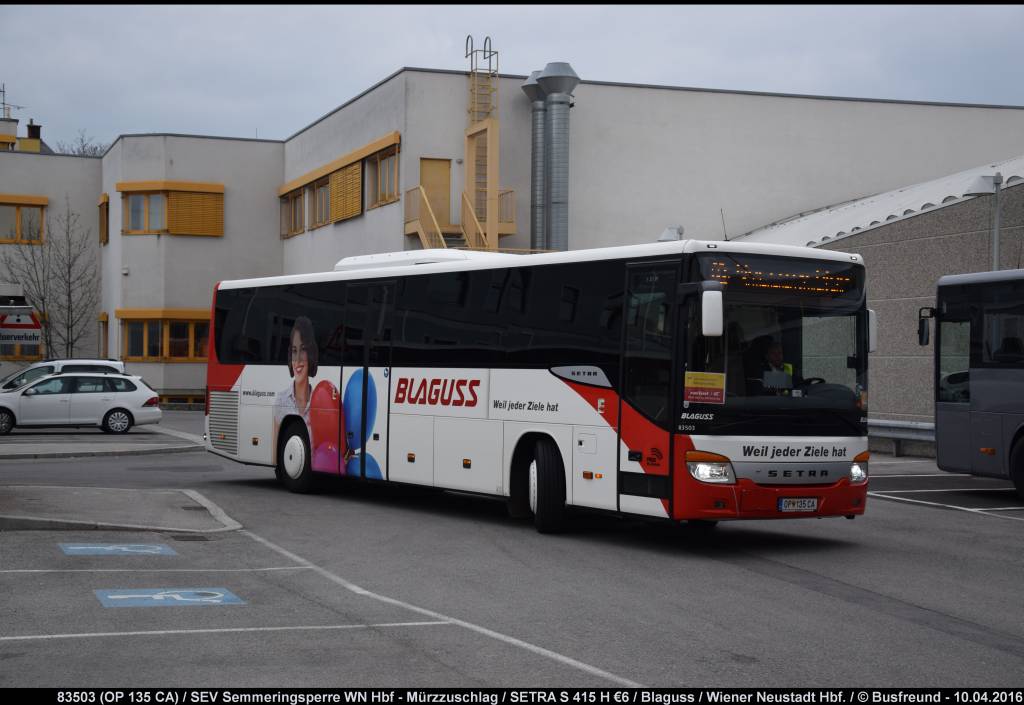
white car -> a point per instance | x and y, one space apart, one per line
38 370
114 402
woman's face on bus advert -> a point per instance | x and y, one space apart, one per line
299 358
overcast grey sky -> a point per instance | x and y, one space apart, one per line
236 70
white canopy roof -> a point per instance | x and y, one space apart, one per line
845 219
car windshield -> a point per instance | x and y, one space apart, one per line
24 376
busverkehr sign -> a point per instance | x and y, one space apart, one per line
21 328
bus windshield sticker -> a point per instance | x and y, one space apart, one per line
704 388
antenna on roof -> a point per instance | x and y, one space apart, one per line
725 235
5 105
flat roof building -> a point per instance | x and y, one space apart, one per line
430 158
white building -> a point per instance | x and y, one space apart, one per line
182 212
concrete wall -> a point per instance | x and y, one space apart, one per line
644 158
168 271
56 177
904 261
362 121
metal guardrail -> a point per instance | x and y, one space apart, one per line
900 431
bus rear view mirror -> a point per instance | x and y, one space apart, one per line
872 331
711 314
923 315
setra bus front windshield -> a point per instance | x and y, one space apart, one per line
793 356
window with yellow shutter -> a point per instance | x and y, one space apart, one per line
347 192
169 207
195 213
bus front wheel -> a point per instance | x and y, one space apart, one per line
1017 467
294 468
547 487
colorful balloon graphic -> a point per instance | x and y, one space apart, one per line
373 471
353 407
324 418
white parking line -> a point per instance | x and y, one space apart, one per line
901 462
955 489
152 570
937 474
337 580
982 512
228 630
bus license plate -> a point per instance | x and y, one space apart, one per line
798 504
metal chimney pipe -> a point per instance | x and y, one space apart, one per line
557 80
538 236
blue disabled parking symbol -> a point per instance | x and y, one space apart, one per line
117 549
168 597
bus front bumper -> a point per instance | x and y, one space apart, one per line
749 500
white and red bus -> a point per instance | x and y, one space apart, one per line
688 381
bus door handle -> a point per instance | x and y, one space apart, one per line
636 455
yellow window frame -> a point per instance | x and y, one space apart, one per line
293 205
17 240
103 347
104 208
126 215
20 356
386 162
320 203
165 340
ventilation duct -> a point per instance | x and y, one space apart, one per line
533 91
557 80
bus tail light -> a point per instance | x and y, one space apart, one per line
859 469
710 467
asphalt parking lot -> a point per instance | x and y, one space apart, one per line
139 608
919 481
246 584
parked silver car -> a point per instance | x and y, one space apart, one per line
114 402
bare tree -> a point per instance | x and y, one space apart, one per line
82 146
60 278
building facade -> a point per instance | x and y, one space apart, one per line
415 161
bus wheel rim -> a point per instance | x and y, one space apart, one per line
294 457
533 487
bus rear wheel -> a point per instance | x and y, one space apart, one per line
547 487
294 467
1017 467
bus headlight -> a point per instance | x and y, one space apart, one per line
710 467
859 469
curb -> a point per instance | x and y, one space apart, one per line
99 453
30 523
22 523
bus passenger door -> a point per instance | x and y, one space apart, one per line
953 415
645 457
366 377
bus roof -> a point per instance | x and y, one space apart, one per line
981 277
394 264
